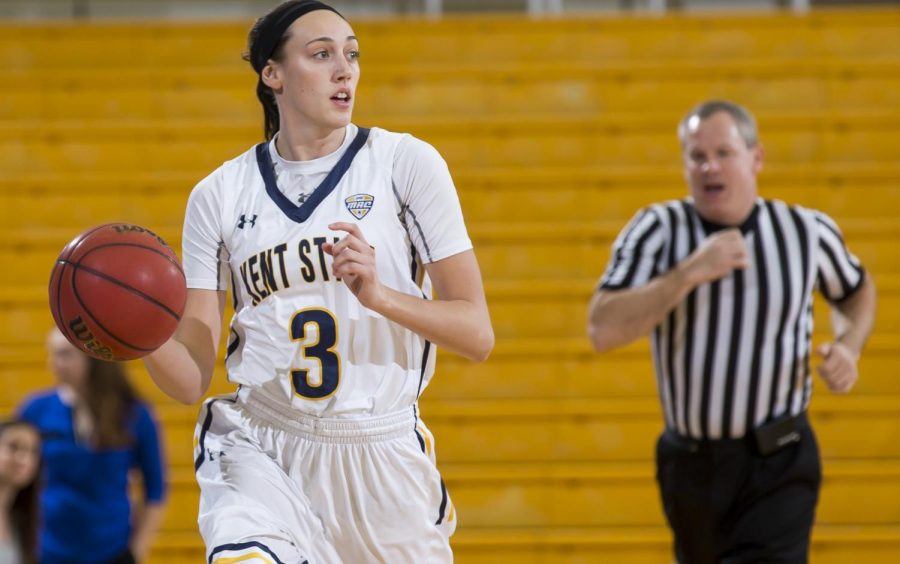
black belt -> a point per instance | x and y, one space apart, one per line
768 438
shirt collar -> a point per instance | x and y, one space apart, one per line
748 225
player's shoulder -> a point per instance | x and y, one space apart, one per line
404 145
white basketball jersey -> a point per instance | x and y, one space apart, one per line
298 335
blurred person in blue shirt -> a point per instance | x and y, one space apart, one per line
96 431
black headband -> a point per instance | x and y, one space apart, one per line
272 29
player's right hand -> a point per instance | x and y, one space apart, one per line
354 263
717 256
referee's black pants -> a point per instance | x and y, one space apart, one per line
727 504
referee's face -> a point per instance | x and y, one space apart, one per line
720 169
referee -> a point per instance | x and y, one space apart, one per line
723 282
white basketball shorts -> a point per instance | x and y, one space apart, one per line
278 487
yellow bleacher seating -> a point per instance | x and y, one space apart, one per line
539 250
393 92
519 309
865 33
615 141
510 194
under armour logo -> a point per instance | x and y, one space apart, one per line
212 454
244 221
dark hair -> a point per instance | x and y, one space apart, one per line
110 401
743 119
265 95
25 508
266 41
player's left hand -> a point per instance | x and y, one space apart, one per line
354 263
838 367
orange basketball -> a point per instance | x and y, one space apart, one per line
117 291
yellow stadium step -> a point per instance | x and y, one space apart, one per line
487 194
470 90
622 545
519 309
531 309
170 547
569 368
528 251
613 193
517 369
623 429
509 195
578 249
428 42
645 545
552 495
596 430
535 140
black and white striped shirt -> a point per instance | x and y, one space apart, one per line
735 353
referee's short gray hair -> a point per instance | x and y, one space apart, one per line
746 123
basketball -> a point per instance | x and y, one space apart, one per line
117 291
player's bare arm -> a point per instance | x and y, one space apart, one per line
852 321
183 366
458 321
616 318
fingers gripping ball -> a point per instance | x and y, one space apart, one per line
117 291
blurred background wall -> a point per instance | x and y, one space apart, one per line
225 9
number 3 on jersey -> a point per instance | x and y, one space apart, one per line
321 382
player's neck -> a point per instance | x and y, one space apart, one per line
305 145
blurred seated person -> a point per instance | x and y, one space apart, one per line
97 435
20 460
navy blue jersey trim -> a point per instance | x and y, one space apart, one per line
443 507
234 293
416 429
233 345
414 264
302 212
219 250
243 545
421 232
421 441
425 357
207 423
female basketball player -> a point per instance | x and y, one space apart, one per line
330 236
